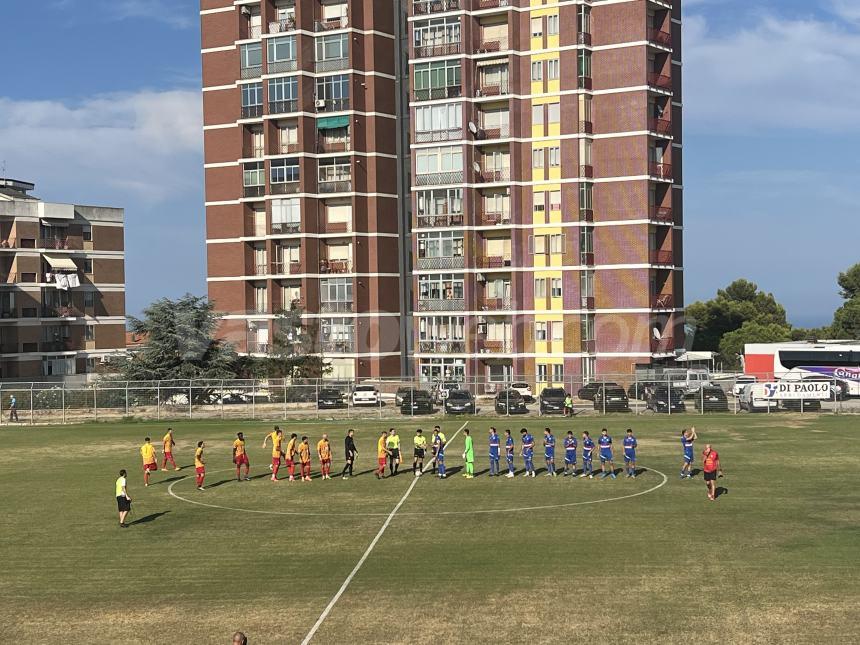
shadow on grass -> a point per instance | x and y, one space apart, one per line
148 518
168 480
719 491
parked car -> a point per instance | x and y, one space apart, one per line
611 398
662 401
696 380
805 405
753 399
460 402
639 389
510 402
740 382
401 394
552 400
524 389
330 398
365 395
712 398
417 402
587 391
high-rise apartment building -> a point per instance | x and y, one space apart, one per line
538 230
62 286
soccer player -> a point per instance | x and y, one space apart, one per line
305 459
712 469
469 455
570 454
495 443
272 435
604 441
277 437
436 431
439 445
587 450
240 457
630 445
509 453
420 442
549 452
350 451
324 454
687 439
381 455
199 465
392 443
290 455
528 452
150 463
123 501
167 444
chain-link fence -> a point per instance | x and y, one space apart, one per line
670 394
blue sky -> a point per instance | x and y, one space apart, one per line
107 111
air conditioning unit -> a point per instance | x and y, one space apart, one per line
320 103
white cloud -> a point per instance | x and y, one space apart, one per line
172 13
846 9
775 73
145 145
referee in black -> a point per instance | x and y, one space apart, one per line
350 452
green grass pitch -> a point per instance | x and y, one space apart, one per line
776 559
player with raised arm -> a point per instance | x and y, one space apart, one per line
549 452
570 445
272 435
324 454
630 445
587 455
277 437
420 443
604 442
495 444
240 457
687 439
528 452
509 453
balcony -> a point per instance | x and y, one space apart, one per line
439 178
433 93
663 345
331 24
664 301
493 89
292 267
584 82
489 4
586 171
252 111
341 307
53 346
331 65
425 7
255 347
662 258
278 66
492 262
442 346
660 126
662 171
500 131
660 37
496 304
495 346
660 81
285 188
587 302
333 145
440 221
588 346
255 32
337 228
61 244
583 38
282 26
335 266
489 46
662 215
586 127
443 49
586 215
494 175
286 228
261 269
439 135
440 304
254 191
493 218
60 311
337 346
255 71
334 186
331 105
454 262
283 107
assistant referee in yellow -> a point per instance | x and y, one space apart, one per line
392 443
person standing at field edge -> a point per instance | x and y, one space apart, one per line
240 457
712 469
13 409
167 444
350 451
150 463
123 501
199 465
469 455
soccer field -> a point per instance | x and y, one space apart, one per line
488 560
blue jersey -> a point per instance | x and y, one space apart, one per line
630 444
570 445
494 446
605 444
549 445
587 447
509 446
528 445
687 443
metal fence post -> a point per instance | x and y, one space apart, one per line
190 409
158 400
95 403
126 399
668 395
63 401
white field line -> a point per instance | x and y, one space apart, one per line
367 553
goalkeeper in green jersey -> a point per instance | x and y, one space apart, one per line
469 456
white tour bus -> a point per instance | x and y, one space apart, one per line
836 361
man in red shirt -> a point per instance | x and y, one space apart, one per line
711 469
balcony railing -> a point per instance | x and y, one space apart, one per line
254 191
455 262
662 257
337 228
493 89
283 107
332 307
63 311
439 135
495 346
660 126
62 244
285 188
285 228
440 304
281 26
492 218
333 145
664 301
50 346
261 269
492 262
433 93
586 127
330 24
660 81
586 171
490 4
337 346
331 65
586 258
278 66
255 71
252 111
440 221
586 215
335 186
442 346
661 171
584 82
255 347
587 302
495 132
663 345
496 304
332 105
583 38
439 178
488 46
662 214
494 175
286 268
588 346
660 37
424 7
335 266
443 49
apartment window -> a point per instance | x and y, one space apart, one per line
586 327
286 215
87 233
433 160
552 25
541 372
432 118
555 200
586 239
539 201
88 267
554 157
585 152
336 290
282 49
335 170
498 289
251 55
540 331
556 288
585 103
553 112
583 19
283 89
556 243
288 135
442 328
498 203
540 287
332 47
254 174
89 332
538 244
537 70
91 365
556 331
537 27
537 157
89 299
584 63
442 244
537 115
445 286
440 202
257 142
338 213
586 283
252 94
284 171
552 69
437 74
586 196
440 31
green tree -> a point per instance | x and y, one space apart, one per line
732 343
846 320
295 348
849 283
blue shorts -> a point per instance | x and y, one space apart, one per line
510 457
629 456
494 457
528 455
586 457
440 459
570 458
549 455
605 456
688 459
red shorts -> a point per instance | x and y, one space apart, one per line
325 462
150 467
200 470
276 461
289 462
241 460
382 460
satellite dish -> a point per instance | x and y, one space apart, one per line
476 167
473 128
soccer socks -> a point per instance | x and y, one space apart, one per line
470 468
291 468
275 469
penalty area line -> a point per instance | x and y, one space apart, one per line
367 552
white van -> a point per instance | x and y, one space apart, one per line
753 399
